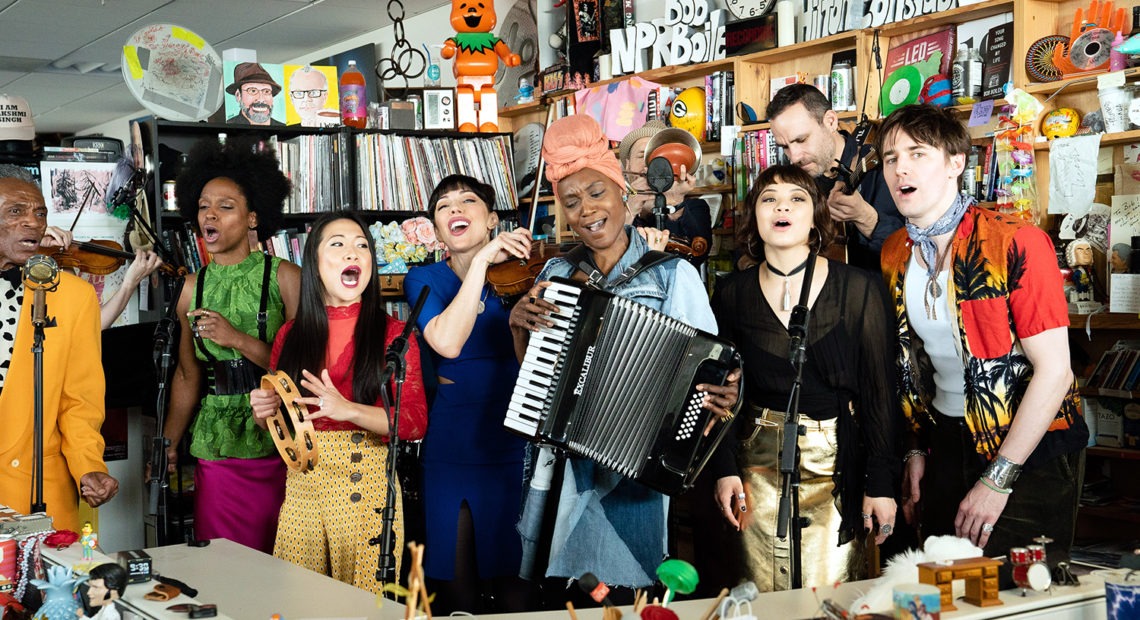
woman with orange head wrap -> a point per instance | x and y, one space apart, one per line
613 527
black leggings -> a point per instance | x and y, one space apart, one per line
467 592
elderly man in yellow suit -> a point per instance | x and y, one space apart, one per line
73 371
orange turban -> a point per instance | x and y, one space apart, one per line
576 142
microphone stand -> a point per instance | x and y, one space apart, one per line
37 504
395 365
789 511
164 337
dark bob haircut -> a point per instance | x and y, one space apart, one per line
247 163
454 182
749 236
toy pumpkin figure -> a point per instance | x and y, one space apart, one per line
477 52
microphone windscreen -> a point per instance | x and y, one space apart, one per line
588 582
124 172
41 269
659 174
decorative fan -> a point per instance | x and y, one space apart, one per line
1039 59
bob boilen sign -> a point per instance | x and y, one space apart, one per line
822 18
886 11
691 32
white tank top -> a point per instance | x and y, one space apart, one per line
937 338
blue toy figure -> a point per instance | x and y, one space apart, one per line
60 602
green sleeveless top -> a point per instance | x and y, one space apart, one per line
224 427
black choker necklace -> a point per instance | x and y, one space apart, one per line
787 305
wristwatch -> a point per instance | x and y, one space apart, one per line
1002 472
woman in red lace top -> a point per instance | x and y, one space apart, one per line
336 348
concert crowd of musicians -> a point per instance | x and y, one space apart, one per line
931 375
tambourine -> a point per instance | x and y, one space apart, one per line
292 431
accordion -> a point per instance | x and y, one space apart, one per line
613 381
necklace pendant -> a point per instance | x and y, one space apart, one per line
787 305
481 307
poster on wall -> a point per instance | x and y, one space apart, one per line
311 96
75 194
254 94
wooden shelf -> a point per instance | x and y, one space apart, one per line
1106 139
711 189
521 109
1088 392
845 116
834 43
1105 320
541 199
953 17
1073 84
1127 454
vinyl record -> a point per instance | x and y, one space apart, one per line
1091 49
1039 59
902 88
528 149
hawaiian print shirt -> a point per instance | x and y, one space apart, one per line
1006 286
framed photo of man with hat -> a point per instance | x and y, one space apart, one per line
254 91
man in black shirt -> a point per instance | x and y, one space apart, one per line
806 127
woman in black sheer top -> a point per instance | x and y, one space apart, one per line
848 466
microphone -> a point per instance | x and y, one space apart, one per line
125 183
659 175
797 329
596 589
395 355
41 274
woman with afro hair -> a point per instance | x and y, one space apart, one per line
230 311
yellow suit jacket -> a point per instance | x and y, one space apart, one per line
73 403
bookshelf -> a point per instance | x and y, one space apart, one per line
385 176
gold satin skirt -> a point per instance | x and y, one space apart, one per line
766 557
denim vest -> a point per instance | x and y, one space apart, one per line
607 524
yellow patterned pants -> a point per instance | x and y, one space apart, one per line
766 557
330 513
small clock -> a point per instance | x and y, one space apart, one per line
748 9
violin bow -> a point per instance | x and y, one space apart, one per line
538 174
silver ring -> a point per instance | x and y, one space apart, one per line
321 402
886 530
987 527
741 496
866 516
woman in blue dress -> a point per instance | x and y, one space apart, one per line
472 467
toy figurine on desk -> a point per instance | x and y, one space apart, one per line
105 585
477 52
59 594
89 540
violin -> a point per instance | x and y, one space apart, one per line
97 257
513 277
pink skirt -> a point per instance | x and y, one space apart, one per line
239 499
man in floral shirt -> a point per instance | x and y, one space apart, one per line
983 353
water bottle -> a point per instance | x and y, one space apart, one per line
975 74
353 97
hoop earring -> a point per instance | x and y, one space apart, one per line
818 239
751 252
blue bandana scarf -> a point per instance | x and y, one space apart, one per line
923 238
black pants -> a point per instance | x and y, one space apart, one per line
1043 502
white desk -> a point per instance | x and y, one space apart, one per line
245 585
250 585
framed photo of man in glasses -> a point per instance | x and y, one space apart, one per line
311 96
256 97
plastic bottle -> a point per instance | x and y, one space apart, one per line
975 73
353 97
1116 60
960 78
